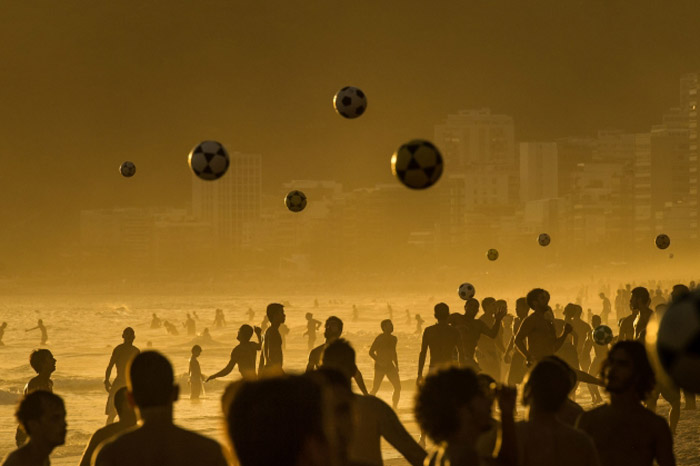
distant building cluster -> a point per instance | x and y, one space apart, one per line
615 187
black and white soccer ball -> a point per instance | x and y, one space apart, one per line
295 201
678 342
350 102
492 254
602 335
544 239
417 164
662 241
127 169
466 291
209 160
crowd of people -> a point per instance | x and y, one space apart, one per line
474 363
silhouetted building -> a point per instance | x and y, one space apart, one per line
539 173
690 88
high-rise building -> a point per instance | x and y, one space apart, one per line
231 203
539 172
690 88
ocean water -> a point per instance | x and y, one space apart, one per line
83 330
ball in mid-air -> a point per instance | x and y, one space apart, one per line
350 102
417 164
662 241
602 335
466 291
492 254
544 239
209 160
295 201
678 342
127 169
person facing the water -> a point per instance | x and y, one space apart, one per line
127 419
44 364
312 325
470 329
2 332
121 355
157 441
156 322
386 361
272 357
42 329
441 339
195 373
190 325
244 354
42 416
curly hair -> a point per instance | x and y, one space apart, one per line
645 378
439 399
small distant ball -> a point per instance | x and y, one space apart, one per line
678 342
466 291
492 254
295 201
350 102
544 239
602 335
209 160
670 256
417 164
662 241
127 169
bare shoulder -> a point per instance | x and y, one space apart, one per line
13 459
592 416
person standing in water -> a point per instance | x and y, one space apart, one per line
312 325
419 324
386 361
2 332
44 364
42 329
195 373
121 355
272 358
244 354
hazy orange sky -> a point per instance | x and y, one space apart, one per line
86 85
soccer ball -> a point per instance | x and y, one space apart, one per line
678 342
209 160
295 201
492 254
466 291
662 241
350 102
544 239
417 164
602 335
127 169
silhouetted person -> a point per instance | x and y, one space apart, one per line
441 339
390 311
419 324
490 350
42 329
244 354
44 364
518 368
386 361
195 373
355 313
190 325
453 410
316 302
544 440
156 322
624 431
127 419
170 328
121 355
42 416
374 419
2 332
679 291
284 333
282 421
219 319
408 317
272 345
537 337
470 330
639 302
600 352
312 325
607 309
333 329
157 441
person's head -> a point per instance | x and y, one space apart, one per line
42 416
155 316
442 312
340 356
601 295
245 333
42 361
309 316
333 328
196 350
627 368
451 402
4 324
569 311
500 305
640 298
275 313
280 421
124 409
488 304
150 381
538 299
471 308
40 322
596 321
128 335
387 326
548 385
678 292
521 307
